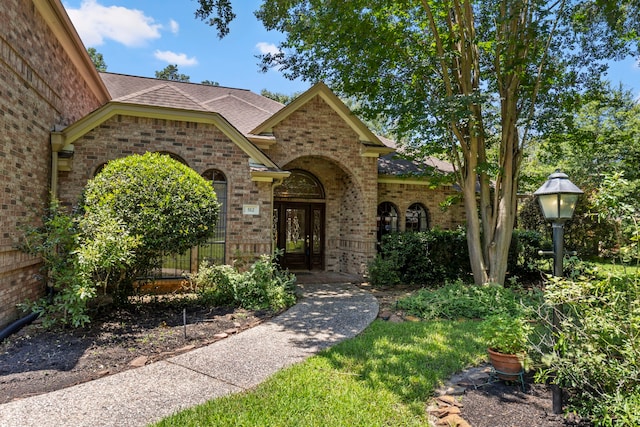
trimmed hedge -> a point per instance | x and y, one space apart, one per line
436 256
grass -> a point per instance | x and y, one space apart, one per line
382 377
619 269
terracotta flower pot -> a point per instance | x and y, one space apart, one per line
508 366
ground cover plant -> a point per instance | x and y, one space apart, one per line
382 377
456 300
263 285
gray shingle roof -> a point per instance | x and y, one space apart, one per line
244 109
395 165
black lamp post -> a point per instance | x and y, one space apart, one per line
558 197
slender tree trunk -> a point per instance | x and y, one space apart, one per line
474 235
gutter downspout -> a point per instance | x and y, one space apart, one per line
57 142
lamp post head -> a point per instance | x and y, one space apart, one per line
558 197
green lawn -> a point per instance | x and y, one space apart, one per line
383 377
632 269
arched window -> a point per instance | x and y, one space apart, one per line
417 218
99 169
214 250
299 185
174 157
387 219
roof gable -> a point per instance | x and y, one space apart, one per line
259 161
365 135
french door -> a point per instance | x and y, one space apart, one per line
299 233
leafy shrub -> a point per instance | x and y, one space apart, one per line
595 353
505 333
214 284
106 249
425 258
136 210
459 300
383 272
56 243
263 285
160 201
523 252
432 257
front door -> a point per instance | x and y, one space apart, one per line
299 233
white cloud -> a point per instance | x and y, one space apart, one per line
95 23
174 26
265 48
175 58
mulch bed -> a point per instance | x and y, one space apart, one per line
35 360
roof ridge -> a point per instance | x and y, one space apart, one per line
230 95
159 86
186 83
191 98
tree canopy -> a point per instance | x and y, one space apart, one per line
97 59
170 72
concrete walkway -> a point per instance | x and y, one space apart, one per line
325 315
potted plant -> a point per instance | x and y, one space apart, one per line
506 337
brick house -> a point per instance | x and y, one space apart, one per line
309 177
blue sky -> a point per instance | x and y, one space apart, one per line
140 37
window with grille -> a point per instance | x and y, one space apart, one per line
387 219
416 218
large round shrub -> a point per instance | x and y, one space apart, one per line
164 203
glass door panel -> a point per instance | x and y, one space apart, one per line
299 232
295 231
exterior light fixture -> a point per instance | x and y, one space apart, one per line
557 197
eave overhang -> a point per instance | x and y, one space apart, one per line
58 21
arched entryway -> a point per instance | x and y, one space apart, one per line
299 221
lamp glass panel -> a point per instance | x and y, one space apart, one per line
549 205
568 205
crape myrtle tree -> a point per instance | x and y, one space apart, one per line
461 78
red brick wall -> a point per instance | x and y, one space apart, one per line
404 195
38 90
202 147
317 139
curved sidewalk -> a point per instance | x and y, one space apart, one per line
325 315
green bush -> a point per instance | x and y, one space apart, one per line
214 284
56 243
595 353
424 258
383 272
433 257
263 286
159 201
523 252
138 209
